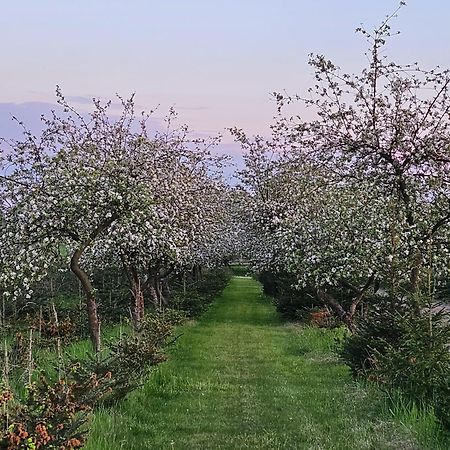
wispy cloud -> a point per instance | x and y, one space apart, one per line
79 99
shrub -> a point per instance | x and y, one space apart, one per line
130 358
288 300
214 282
375 333
200 295
240 270
419 363
52 415
442 404
191 302
405 350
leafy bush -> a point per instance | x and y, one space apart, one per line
214 282
381 328
419 363
130 358
198 296
191 302
52 415
442 403
405 350
289 301
55 415
240 270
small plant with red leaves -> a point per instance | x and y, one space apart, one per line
52 415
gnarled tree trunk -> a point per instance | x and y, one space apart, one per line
91 302
138 310
157 287
346 316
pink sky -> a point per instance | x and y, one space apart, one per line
216 62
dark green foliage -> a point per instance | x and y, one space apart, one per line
292 303
442 403
380 329
405 349
199 295
419 363
272 284
214 282
191 303
240 270
114 303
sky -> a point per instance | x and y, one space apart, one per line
215 61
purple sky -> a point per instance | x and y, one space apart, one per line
216 61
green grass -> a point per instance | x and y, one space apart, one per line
242 379
421 420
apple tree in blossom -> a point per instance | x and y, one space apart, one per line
101 189
357 199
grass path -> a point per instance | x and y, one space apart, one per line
241 379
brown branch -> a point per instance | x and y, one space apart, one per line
358 299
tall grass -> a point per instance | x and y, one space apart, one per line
421 420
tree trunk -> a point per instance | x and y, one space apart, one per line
91 303
196 272
162 301
415 272
164 283
137 296
165 289
345 316
138 310
151 286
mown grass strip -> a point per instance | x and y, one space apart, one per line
242 379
